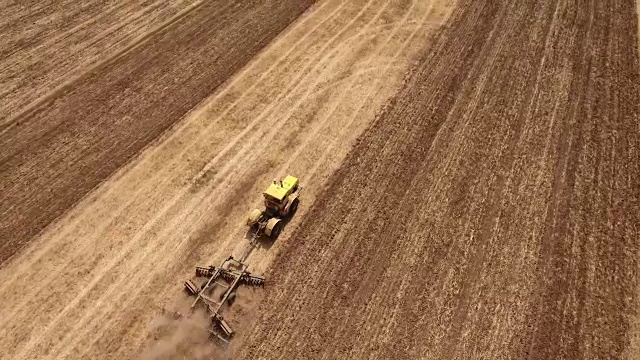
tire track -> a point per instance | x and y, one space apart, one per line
502 181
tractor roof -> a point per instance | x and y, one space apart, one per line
289 182
279 190
276 191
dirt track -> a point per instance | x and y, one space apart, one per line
493 211
91 283
52 156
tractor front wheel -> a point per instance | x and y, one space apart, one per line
294 207
253 218
276 230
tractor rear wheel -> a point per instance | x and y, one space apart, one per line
274 227
276 230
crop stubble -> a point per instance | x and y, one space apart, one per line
46 43
491 211
52 158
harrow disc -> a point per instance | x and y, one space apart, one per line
205 272
191 287
254 280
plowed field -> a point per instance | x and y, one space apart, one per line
92 283
492 211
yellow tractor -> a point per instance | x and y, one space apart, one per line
280 202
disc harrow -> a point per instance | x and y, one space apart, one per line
228 276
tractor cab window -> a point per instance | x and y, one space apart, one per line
271 201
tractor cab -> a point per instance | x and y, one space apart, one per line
277 194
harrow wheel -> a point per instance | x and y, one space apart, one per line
231 298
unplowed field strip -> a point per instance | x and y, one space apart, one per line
491 211
44 43
54 157
93 280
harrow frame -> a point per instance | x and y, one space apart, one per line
233 278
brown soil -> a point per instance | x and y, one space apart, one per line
492 211
634 348
94 282
54 154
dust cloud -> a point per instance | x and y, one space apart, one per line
178 335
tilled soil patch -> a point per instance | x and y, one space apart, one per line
491 211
